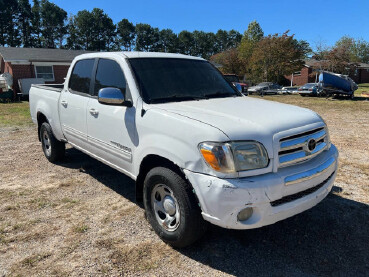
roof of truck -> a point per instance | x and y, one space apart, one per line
136 54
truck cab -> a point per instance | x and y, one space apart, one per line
199 150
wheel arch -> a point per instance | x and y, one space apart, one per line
41 118
149 162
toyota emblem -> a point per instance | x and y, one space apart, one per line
311 144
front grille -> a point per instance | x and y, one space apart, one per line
294 149
293 197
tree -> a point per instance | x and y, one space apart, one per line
53 27
8 23
302 46
321 50
147 38
275 56
254 32
234 39
24 22
126 31
362 50
339 59
75 40
168 41
93 30
230 61
186 42
222 39
204 44
36 24
357 49
104 31
250 38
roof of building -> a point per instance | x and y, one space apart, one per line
317 64
11 54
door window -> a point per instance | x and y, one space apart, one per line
109 74
81 76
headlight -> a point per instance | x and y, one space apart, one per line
327 139
218 156
234 156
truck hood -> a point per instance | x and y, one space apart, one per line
244 118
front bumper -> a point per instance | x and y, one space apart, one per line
273 196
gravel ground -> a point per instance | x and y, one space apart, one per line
79 217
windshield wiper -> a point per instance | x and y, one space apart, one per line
220 95
177 98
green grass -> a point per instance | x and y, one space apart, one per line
362 88
81 228
15 114
31 261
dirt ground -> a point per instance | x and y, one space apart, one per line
79 217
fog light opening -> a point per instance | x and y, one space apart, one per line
244 214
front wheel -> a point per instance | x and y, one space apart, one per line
54 150
172 208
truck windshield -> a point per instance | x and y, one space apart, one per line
171 80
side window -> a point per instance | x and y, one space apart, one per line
109 74
81 76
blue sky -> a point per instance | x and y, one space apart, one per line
313 21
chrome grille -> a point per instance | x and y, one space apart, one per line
295 149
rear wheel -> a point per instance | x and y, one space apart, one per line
54 150
172 208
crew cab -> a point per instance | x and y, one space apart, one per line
199 152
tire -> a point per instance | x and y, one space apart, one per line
54 150
180 223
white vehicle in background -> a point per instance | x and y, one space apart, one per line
288 90
199 152
309 89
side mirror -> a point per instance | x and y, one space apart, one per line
112 96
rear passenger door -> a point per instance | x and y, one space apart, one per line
73 103
111 129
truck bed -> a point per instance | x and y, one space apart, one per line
53 87
44 99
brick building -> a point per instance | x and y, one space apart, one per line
50 64
310 73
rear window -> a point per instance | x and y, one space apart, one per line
81 76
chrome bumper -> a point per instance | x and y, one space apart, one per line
310 174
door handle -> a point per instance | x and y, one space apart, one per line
94 112
64 103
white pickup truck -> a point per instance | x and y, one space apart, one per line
198 149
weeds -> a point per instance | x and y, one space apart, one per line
80 228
